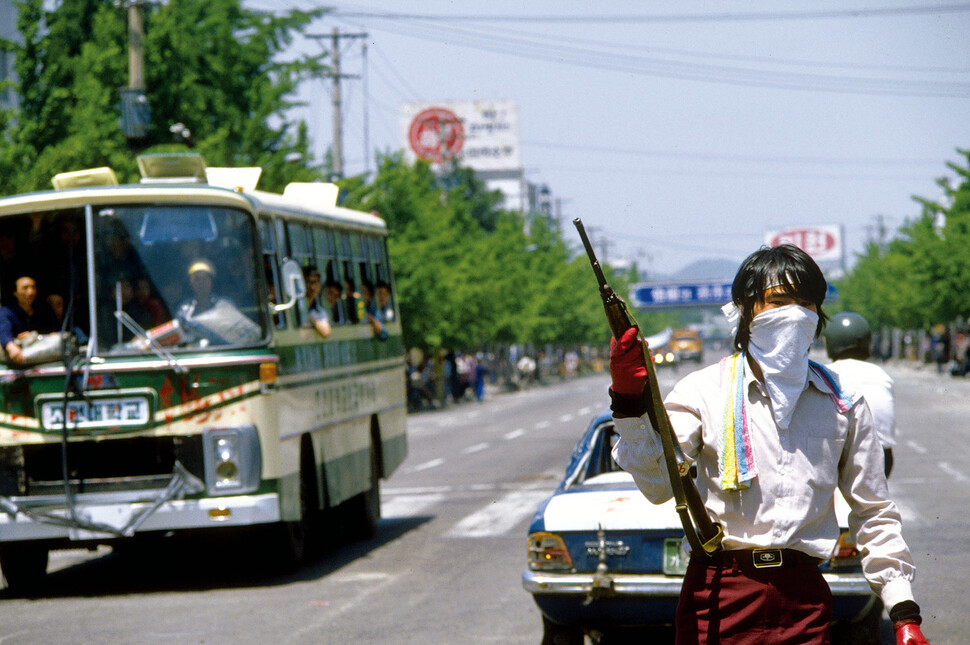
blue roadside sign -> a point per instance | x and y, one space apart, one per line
683 294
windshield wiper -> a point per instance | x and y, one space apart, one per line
158 350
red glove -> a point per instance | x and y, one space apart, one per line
627 365
910 634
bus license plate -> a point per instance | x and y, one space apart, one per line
675 560
121 412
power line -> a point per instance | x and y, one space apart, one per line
409 89
571 55
666 18
710 156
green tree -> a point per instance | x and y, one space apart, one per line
467 273
920 278
209 64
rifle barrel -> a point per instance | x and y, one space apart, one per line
590 253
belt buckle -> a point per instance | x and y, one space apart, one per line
766 558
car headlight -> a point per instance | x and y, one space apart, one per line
232 461
547 552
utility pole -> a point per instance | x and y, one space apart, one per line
335 76
338 134
135 113
136 46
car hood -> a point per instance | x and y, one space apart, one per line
611 501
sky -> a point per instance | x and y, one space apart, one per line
678 132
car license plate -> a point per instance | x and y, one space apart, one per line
121 412
675 560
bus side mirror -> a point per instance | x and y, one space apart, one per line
294 287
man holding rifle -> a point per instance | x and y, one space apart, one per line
771 435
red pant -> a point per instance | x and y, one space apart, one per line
742 605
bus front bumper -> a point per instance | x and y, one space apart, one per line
114 510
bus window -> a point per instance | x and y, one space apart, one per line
301 251
351 293
51 249
270 270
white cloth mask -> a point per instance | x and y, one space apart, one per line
779 342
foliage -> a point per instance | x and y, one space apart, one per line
469 274
920 278
209 64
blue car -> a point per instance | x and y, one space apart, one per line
604 561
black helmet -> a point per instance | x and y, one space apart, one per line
847 332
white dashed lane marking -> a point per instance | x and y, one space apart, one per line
954 474
434 463
499 516
916 447
409 505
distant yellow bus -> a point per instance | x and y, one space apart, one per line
181 386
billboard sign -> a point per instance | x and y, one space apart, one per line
482 135
823 243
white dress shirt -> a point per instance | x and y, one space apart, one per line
791 503
872 382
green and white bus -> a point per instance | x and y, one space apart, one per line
191 407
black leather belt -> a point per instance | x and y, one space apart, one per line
761 558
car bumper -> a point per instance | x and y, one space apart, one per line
568 598
581 583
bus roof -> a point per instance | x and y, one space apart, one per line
256 201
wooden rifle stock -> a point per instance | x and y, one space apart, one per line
706 537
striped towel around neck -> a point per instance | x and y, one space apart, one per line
736 462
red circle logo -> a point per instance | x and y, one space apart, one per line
436 135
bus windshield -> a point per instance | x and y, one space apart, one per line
183 275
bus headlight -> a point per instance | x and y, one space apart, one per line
232 461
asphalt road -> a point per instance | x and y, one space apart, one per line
445 567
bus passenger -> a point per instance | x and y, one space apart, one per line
351 300
316 310
58 309
145 296
371 312
19 319
201 277
331 291
384 301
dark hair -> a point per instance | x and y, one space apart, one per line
786 266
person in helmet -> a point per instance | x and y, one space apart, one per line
848 340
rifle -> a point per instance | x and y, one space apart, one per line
703 534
